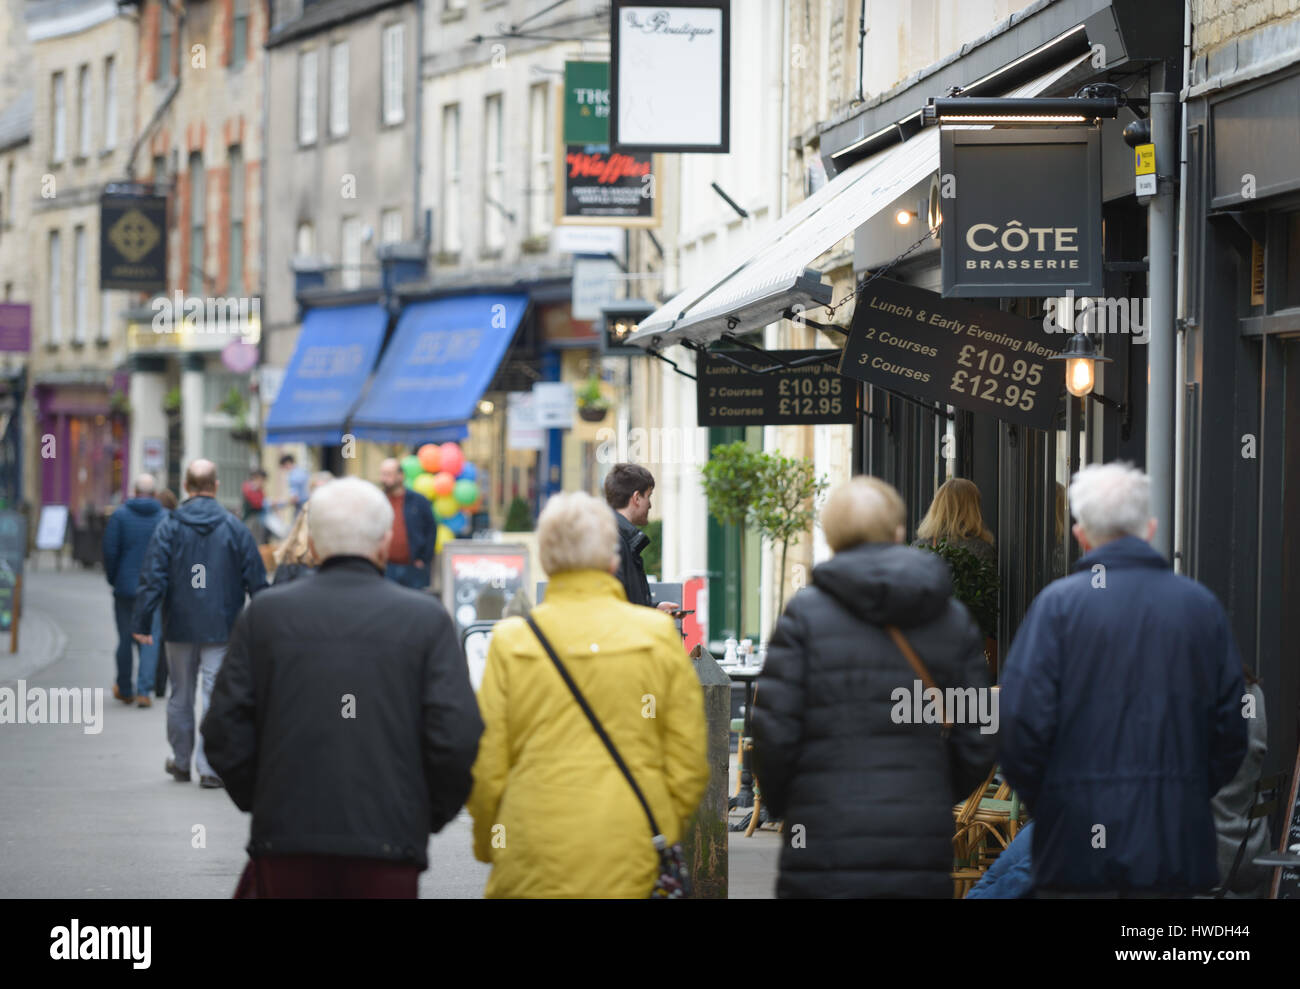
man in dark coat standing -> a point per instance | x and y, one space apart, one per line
415 533
200 565
628 488
343 717
126 537
1122 709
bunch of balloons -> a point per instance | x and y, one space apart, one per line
446 478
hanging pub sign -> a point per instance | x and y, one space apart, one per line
597 186
1024 214
133 241
16 326
586 102
670 76
957 353
810 394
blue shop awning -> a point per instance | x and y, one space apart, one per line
441 359
336 350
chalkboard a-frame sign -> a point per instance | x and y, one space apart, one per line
1286 882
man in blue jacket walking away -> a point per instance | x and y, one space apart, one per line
200 564
126 537
1122 709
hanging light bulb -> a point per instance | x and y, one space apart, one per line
1079 376
1081 359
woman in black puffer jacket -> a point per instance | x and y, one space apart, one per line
865 793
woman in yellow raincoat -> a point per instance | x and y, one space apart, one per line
552 812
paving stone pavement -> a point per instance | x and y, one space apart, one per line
94 815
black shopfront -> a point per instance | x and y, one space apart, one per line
1023 472
1241 506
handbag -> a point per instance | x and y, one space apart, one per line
913 660
674 881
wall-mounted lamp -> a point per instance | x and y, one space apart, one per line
1080 358
621 320
905 216
1018 110
486 406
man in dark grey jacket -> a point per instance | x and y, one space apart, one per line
200 565
628 488
343 717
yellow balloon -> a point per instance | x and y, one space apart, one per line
446 506
444 534
424 484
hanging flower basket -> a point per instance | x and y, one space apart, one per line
592 413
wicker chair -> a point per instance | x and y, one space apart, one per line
986 821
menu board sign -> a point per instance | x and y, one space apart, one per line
957 353
479 579
807 395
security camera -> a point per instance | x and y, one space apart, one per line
1138 132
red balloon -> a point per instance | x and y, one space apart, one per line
453 459
430 457
443 484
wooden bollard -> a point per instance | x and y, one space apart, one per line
705 839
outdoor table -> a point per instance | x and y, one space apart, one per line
748 675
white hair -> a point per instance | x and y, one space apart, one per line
1110 501
349 517
576 532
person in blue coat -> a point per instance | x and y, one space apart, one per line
200 565
1121 708
1010 877
125 539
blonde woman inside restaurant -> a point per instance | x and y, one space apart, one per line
552 812
955 517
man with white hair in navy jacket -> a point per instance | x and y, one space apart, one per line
1122 709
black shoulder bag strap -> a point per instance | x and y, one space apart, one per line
659 839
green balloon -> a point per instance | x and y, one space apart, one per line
465 492
411 467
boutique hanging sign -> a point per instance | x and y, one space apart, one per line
1025 217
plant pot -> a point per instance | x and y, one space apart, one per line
590 414
243 435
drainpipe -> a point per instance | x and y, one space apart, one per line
1162 216
783 194
1180 386
264 181
416 214
862 45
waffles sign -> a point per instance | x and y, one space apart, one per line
133 242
